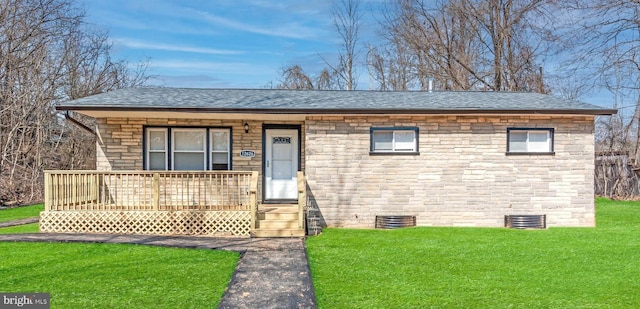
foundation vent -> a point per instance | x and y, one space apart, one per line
525 221
394 222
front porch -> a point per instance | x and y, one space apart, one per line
166 203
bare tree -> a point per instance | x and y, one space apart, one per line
394 68
608 59
294 77
47 55
347 20
89 67
343 75
326 80
475 44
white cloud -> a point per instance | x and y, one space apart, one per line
290 30
308 8
209 66
195 81
137 44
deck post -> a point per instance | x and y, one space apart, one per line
302 198
253 199
47 191
156 191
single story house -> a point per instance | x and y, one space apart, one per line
253 161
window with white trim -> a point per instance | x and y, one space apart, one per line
530 140
156 149
188 149
394 140
220 150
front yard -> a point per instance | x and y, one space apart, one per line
83 275
482 267
21 212
79 275
352 268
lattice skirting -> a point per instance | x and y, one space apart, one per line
211 223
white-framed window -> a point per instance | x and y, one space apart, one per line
220 142
530 140
187 148
156 149
394 140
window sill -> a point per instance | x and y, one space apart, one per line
530 153
378 153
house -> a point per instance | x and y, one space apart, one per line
240 161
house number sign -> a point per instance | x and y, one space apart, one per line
247 153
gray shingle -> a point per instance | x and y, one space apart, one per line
312 101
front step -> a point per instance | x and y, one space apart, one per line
278 220
277 224
278 233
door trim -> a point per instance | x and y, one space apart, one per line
266 127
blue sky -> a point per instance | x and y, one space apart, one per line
223 44
233 44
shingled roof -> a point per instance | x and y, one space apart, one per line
278 101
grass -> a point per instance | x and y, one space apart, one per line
482 267
21 212
111 275
20 229
117 276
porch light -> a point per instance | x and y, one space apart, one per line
246 127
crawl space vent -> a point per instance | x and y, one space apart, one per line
525 221
394 222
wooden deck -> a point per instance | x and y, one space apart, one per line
166 203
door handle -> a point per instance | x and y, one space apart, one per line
267 163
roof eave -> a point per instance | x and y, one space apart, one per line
309 111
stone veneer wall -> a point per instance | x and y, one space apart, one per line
462 176
119 145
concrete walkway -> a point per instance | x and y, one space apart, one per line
272 272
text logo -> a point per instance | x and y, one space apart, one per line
25 300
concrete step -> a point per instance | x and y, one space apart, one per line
278 233
278 224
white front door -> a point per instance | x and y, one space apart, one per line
281 164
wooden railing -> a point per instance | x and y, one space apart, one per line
150 190
302 199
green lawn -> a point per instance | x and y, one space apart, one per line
21 212
482 267
117 276
111 275
19 229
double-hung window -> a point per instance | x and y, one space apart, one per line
530 140
394 140
188 149
220 149
156 147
